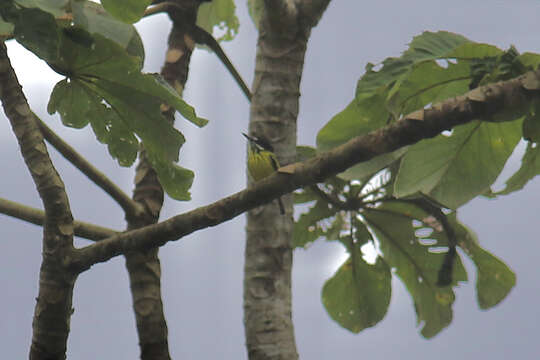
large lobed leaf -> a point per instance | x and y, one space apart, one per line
494 279
416 260
454 169
128 11
105 87
436 66
358 295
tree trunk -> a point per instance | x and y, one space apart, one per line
283 34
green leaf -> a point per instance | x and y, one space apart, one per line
494 279
131 102
414 80
416 259
431 45
371 167
358 118
424 47
530 167
95 20
428 82
78 105
310 225
141 114
56 8
530 60
71 101
37 31
305 152
176 180
358 295
108 63
220 13
128 11
454 169
6 28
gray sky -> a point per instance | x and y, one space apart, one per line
202 274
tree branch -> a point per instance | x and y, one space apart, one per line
37 217
53 307
480 103
131 208
312 11
282 15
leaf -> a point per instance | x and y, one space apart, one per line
530 60
78 105
424 47
494 279
220 13
71 101
94 19
358 295
176 180
358 118
6 28
128 11
370 167
37 31
429 82
416 260
305 152
56 8
454 169
309 226
379 93
114 80
530 167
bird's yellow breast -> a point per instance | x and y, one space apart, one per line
261 164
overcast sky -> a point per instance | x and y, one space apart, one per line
202 273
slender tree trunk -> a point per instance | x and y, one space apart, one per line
143 266
53 307
284 30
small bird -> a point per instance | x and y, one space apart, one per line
262 161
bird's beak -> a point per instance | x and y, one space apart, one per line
248 137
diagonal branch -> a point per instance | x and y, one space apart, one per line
479 103
37 217
131 208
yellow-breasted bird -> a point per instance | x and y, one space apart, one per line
262 161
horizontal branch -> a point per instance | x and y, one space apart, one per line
131 208
480 103
37 217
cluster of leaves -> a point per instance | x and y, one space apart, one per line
404 203
101 55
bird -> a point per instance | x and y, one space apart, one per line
262 161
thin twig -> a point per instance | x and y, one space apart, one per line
130 207
37 217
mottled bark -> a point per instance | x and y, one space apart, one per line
143 265
50 326
284 30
